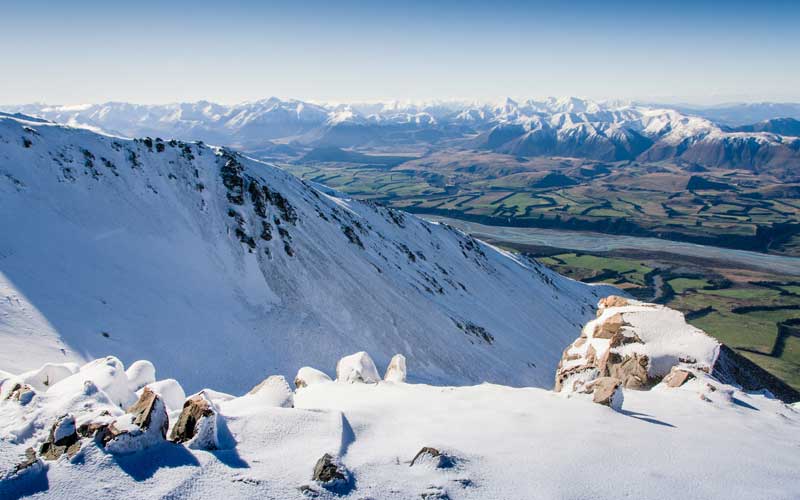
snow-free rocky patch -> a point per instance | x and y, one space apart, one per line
356 438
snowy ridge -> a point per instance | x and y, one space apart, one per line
217 267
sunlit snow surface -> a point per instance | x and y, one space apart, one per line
504 443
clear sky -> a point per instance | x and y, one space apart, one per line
229 51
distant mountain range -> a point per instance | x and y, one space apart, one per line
572 127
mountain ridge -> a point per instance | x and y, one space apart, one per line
560 127
156 247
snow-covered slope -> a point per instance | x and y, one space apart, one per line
220 268
390 440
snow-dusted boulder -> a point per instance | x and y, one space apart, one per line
197 423
145 424
331 473
140 373
170 391
357 367
309 376
635 342
273 391
107 374
21 393
396 371
49 374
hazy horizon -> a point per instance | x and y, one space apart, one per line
488 101
675 52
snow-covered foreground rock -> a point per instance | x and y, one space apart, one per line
219 268
700 439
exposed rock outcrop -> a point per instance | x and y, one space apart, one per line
632 342
611 301
396 371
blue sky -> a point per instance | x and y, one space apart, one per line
149 52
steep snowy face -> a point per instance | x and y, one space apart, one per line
219 268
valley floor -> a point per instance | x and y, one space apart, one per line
505 443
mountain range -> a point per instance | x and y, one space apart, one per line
573 127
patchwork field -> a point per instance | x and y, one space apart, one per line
729 208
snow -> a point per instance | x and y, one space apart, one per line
273 391
704 440
48 374
307 376
357 367
140 373
106 374
170 391
64 427
396 371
